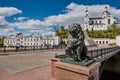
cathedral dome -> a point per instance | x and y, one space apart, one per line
106 12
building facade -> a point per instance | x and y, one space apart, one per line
99 23
104 41
118 40
31 40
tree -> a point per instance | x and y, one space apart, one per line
62 28
62 33
112 31
1 42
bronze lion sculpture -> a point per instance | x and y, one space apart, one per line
76 47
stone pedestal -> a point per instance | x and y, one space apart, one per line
66 71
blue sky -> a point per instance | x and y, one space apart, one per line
38 9
29 16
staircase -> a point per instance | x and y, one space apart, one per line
88 40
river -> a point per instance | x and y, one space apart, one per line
110 76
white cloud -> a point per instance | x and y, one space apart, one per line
6 31
73 13
5 27
9 11
21 18
29 24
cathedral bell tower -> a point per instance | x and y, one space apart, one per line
107 16
106 13
86 19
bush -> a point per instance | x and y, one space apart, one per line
111 33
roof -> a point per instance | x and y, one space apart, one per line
107 12
96 18
96 24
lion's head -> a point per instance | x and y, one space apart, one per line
74 29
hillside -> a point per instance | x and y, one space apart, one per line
111 33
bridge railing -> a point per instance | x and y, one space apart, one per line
27 48
95 53
101 52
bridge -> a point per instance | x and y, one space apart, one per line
103 54
106 59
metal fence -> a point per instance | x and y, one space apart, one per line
100 52
26 48
96 53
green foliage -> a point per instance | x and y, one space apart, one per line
62 28
63 33
1 42
111 33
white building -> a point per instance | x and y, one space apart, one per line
118 40
104 41
10 42
99 23
31 40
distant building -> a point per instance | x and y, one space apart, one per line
104 41
99 23
118 40
65 40
31 40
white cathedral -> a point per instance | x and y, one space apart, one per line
99 23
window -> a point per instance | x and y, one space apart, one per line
106 42
18 39
92 22
86 14
114 22
99 42
96 22
17 43
109 21
86 26
100 22
37 39
103 42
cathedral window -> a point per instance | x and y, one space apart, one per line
109 21
114 22
97 42
92 22
103 42
106 42
96 22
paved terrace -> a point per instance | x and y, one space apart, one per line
30 65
